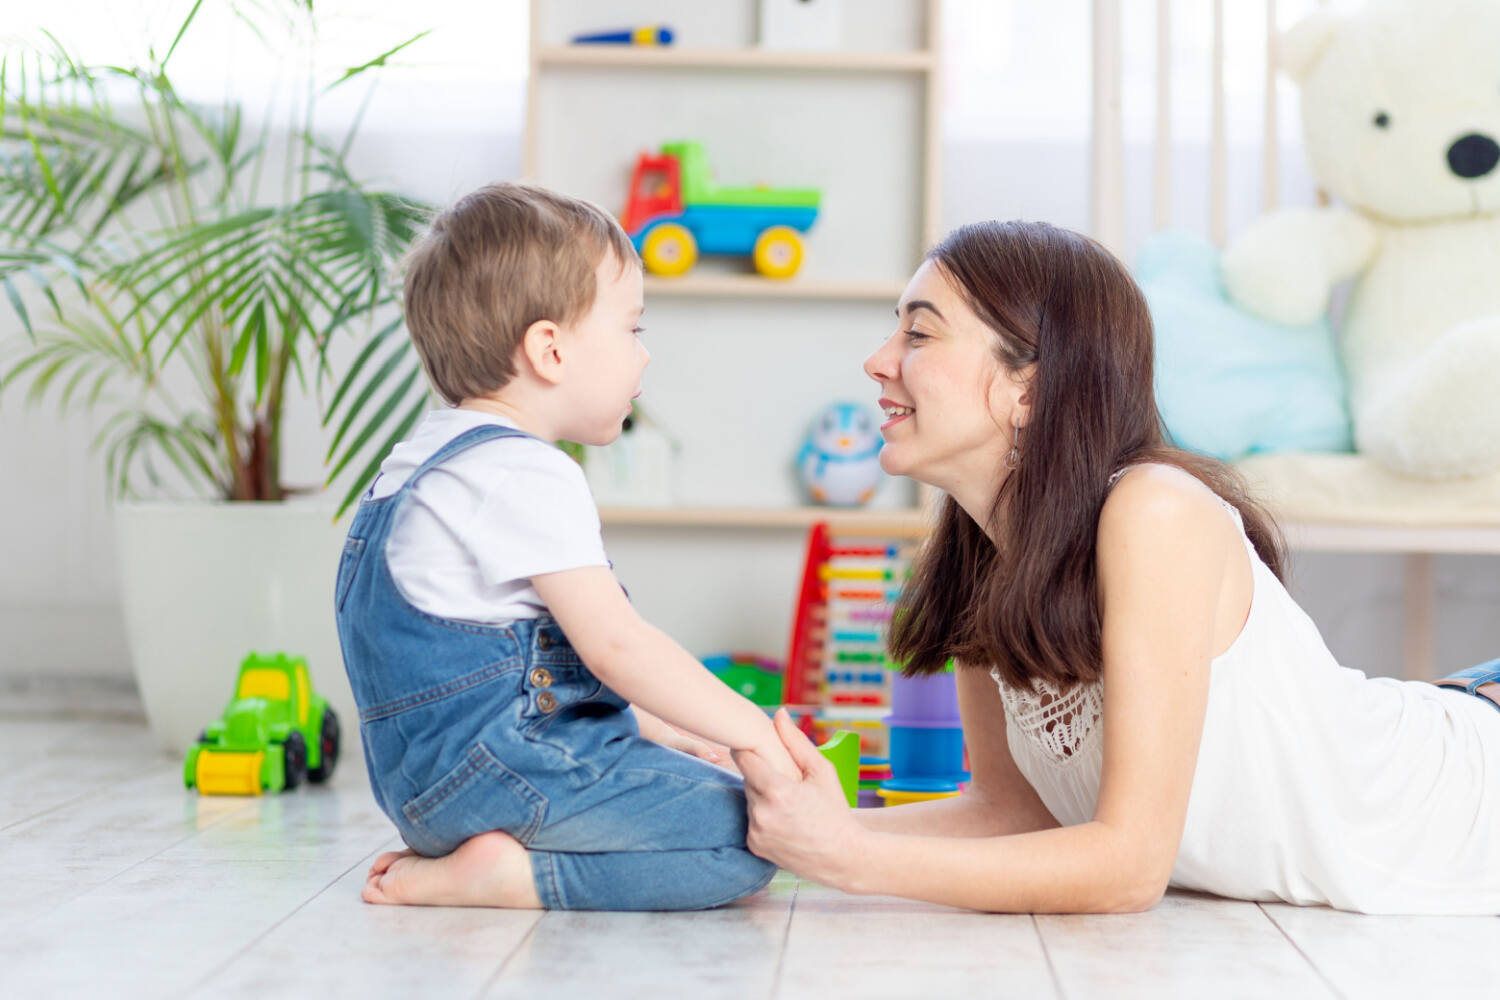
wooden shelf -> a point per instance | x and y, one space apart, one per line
754 286
606 56
1302 536
1339 536
905 522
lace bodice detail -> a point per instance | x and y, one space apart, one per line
1059 723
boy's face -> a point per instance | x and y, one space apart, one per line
604 373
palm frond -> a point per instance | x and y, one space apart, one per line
379 60
241 293
397 380
134 443
78 348
398 432
351 378
69 165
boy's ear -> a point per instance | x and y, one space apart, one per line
541 350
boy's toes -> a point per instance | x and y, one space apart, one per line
372 892
395 884
384 862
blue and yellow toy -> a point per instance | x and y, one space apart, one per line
675 212
646 34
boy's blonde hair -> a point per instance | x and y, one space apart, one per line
496 261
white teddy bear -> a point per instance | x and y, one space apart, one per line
1401 120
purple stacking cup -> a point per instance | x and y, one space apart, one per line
926 698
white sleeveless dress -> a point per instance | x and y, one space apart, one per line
1314 783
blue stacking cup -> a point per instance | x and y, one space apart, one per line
926 751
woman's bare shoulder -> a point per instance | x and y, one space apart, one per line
1152 498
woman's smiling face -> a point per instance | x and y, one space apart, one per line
950 405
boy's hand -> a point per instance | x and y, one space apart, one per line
657 731
692 746
772 750
775 753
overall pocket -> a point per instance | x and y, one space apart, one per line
348 564
478 795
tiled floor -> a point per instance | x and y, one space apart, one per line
122 884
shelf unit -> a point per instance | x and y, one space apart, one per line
591 108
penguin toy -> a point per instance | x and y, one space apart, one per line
840 458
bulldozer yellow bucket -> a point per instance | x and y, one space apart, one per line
221 772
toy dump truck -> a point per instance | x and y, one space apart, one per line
274 733
675 211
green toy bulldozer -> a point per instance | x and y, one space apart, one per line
274 733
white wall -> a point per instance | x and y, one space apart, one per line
1005 155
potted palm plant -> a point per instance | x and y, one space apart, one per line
183 275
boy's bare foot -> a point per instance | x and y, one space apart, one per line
491 869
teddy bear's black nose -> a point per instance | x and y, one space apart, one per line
1473 155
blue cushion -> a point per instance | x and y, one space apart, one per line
1228 383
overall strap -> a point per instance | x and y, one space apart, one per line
462 443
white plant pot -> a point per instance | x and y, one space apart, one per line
203 584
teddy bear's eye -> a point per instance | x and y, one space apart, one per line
1382 120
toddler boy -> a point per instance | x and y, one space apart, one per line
494 657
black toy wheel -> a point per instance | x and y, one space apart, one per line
294 752
328 746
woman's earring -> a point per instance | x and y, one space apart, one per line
1013 457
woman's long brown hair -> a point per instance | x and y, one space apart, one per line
1030 606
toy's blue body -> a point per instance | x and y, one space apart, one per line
730 229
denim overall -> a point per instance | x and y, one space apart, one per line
472 727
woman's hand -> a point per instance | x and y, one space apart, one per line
658 731
804 825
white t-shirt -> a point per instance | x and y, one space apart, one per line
474 530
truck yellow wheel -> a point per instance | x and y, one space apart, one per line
669 250
778 252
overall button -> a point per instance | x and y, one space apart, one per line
541 677
546 701
544 641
